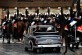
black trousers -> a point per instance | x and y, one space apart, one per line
67 43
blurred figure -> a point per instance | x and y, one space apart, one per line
37 29
4 30
9 31
49 29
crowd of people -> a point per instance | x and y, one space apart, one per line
15 26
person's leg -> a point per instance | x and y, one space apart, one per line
66 45
77 45
8 38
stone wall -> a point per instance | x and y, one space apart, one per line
32 10
0 15
14 3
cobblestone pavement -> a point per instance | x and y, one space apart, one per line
18 49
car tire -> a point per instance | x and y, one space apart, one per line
31 46
26 49
36 50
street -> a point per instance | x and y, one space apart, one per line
18 49
45 27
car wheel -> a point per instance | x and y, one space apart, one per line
33 49
31 46
26 49
36 50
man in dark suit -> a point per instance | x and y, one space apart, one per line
9 31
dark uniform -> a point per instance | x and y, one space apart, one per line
4 30
9 30
15 30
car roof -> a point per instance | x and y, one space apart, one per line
41 26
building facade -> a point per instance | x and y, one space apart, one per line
32 5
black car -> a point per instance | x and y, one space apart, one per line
47 38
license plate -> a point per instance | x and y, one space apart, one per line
49 40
